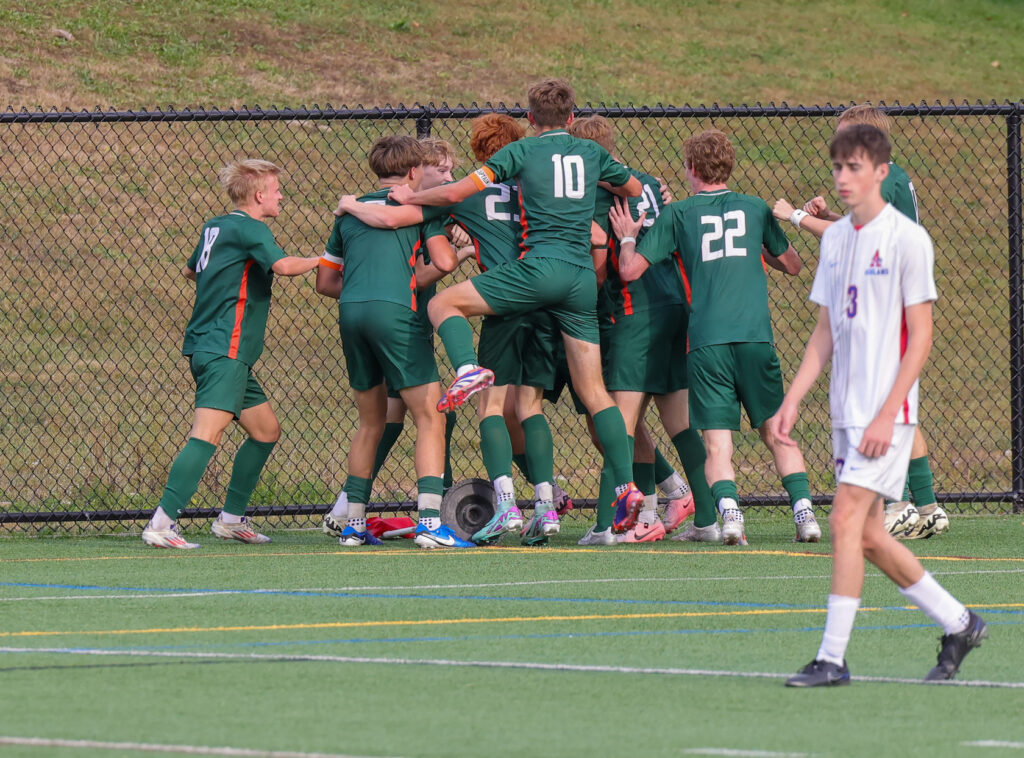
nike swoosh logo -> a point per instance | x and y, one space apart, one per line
442 541
640 536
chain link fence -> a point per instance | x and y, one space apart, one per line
100 211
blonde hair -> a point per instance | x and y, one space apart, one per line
551 102
596 128
395 154
864 114
243 179
437 151
710 156
491 132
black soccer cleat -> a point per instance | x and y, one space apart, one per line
953 648
820 674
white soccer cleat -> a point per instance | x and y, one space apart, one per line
807 529
464 387
332 526
241 532
169 538
694 533
732 527
932 521
592 537
899 517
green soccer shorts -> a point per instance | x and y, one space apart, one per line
724 377
646 352
385 342
567 291
520 350
224 384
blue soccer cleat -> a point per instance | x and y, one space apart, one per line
443 536
351 537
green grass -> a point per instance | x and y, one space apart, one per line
666 606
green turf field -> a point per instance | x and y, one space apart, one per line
300 648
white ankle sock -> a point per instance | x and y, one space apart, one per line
505 491
161 521
544 493
674 487
230 518
340 509
727 504
464 369
838 624
936 602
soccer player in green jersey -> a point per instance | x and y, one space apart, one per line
557 176
233 266
921 518
718 236
373 274
643 325
438 162
520 361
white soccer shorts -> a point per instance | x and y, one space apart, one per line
886 474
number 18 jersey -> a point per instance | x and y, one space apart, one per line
718 237
866 278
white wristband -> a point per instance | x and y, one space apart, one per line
624 240
796 216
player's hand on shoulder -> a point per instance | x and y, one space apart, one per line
344 205
401 193
818 208
782 209
459 237
666 193
622 220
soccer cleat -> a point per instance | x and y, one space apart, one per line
464 387
677 511
540 526
953 648
820 674
503 521
351 537
240 531
732 527
332 526
627 507
694 533
166 538
899 517
933 520
644 531
807 529
594 537
443 536
563 503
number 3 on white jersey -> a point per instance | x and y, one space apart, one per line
569 180
209 237
719 230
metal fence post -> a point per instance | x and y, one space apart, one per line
423 125
1014 224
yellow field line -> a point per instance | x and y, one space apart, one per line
190 555
444 622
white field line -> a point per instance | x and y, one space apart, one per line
528 665
744 753
487 585
144 747
995 743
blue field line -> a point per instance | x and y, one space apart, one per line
503 637
406 596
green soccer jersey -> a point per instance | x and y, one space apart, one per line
378 264
718 237
491 219
899 190
428 229
233 263
557 176
659 286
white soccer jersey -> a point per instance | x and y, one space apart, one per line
866 278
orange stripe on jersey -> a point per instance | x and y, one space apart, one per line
686 281
243 295
904 339
412 265
330 264
525 224
627 296
480 175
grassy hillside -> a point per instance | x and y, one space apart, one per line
134 53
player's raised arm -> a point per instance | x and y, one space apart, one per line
788 263
380 216
294 265
801 219
445 194
632 265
